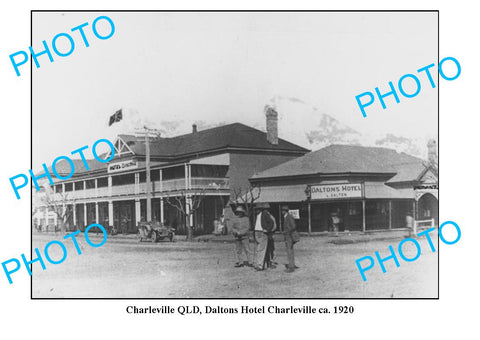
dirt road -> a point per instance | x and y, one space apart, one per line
125 268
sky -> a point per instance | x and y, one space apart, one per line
225 67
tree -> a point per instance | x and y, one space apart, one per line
246 197
187 203
57 202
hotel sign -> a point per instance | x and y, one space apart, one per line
122 166
334 191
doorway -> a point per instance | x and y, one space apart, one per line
124 216
428 208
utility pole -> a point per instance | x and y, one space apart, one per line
148 182
146 131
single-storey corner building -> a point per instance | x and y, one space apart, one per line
368 188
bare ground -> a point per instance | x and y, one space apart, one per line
125 268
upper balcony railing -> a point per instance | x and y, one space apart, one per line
210 183
205 183
102 192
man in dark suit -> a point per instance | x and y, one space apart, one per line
263 225
291 237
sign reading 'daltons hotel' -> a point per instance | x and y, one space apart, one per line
319 192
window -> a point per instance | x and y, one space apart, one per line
154 176
68 186
172 173
376 208
382 208
216 171
102 182
90 184
79 185
123 179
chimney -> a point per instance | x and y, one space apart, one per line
194 128
272 124
432 153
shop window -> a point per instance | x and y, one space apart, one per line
370 208
382 208
376 208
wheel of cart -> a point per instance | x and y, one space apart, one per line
154 236
144 233
141 235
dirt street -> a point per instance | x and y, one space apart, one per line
125 268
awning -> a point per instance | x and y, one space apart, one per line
381 191
287 193
296 193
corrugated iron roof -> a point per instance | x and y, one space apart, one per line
234 135
379 190
338 159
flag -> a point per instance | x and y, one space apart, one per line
116 117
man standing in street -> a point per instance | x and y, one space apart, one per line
269 254
263 225
240 229
124 224
291 237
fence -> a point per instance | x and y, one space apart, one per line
423 224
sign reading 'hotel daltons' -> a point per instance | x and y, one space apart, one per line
122 166
332 191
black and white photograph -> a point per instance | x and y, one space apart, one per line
208 169
227 155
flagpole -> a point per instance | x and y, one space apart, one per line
116 117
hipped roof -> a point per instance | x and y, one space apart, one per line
234 135
350 159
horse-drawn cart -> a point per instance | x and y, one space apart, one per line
154 232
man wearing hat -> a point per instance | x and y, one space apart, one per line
263 225
291 237
240 229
